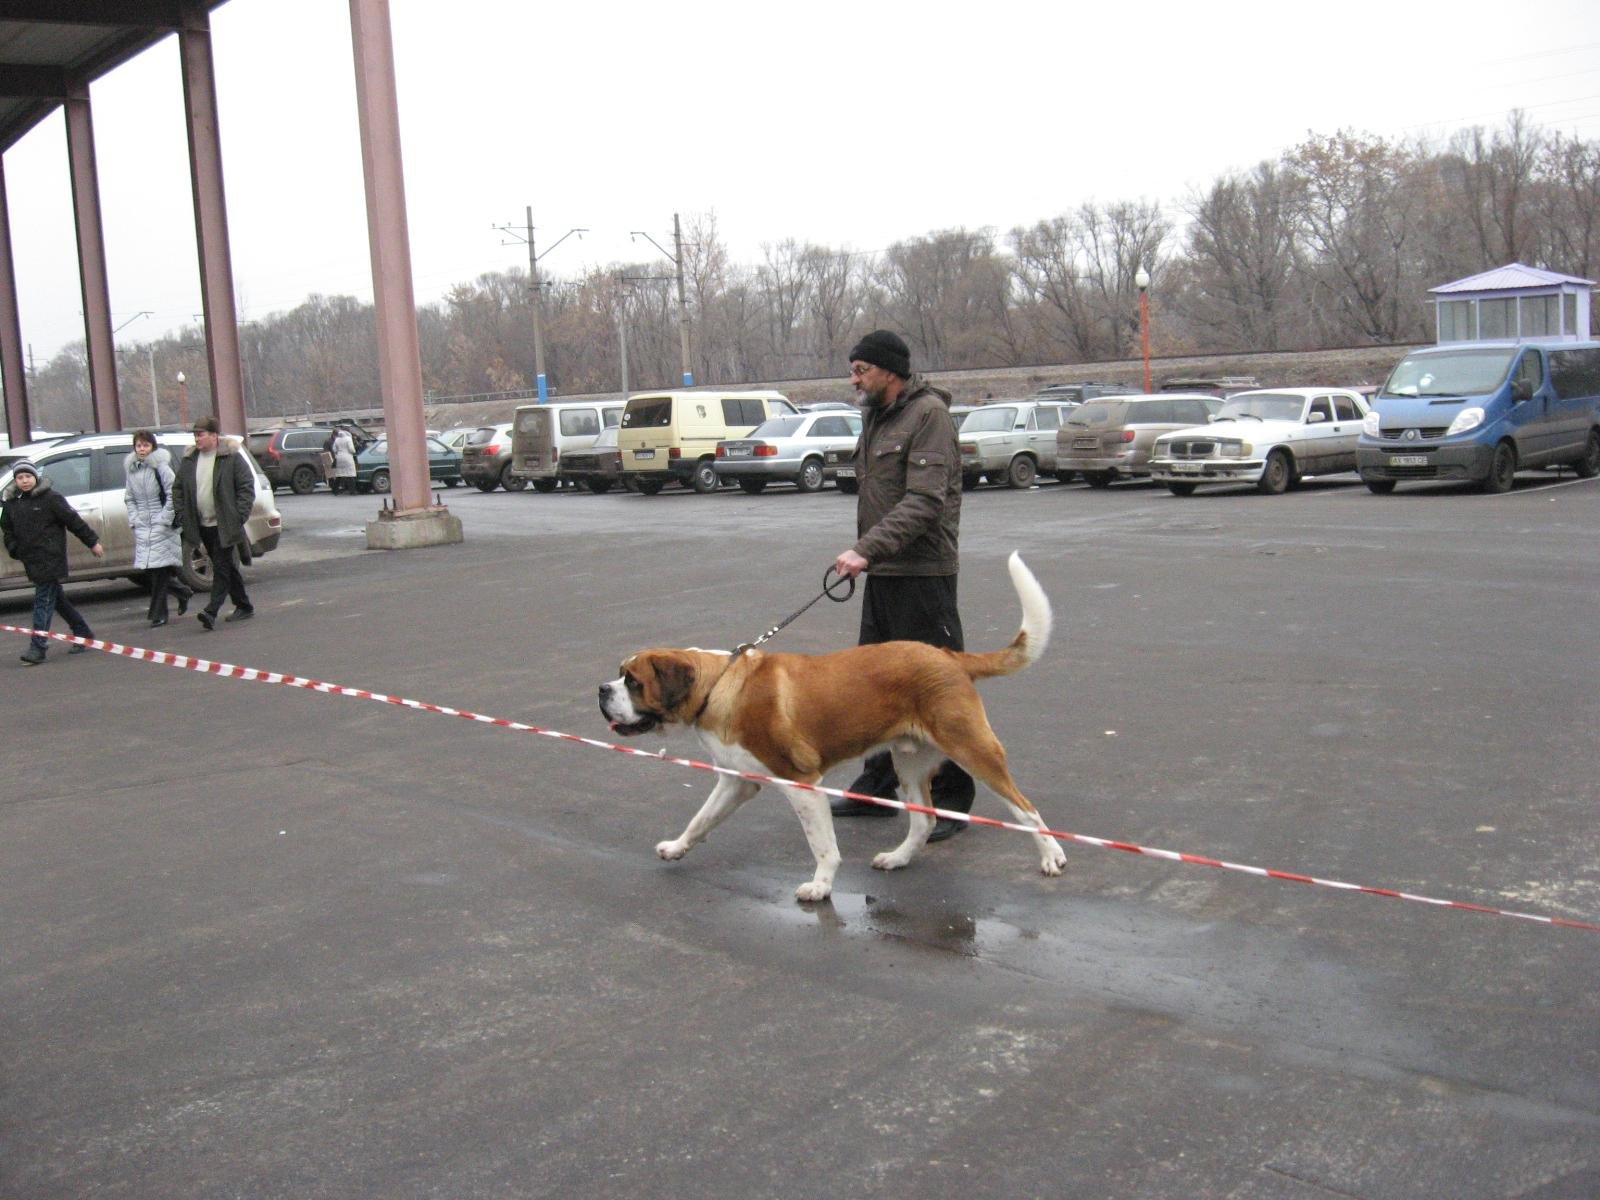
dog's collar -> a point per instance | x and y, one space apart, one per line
732 658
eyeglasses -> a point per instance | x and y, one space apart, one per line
860 369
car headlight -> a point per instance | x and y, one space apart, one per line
1370 424
1234 449
1467 418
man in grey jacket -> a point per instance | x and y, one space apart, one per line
908 527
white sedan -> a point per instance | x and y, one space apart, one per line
1271 438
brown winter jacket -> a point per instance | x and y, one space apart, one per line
908 467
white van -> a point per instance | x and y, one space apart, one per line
668 436
541 433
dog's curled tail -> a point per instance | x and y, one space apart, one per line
1031 639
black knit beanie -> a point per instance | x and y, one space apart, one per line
883 348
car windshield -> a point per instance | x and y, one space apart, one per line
655 413
778 427
481 437
1458 373
1263 406
990 420
378 449
532 419
608 437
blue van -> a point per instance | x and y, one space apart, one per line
1480 412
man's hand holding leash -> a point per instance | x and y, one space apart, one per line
850 564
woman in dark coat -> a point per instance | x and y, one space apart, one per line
34 519
157 543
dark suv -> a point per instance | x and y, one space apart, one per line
292 457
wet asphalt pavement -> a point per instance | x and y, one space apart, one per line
260 942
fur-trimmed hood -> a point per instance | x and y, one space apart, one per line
159 457
13 491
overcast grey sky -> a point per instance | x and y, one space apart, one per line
848 124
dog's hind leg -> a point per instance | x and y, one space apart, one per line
915 768
726 795
975 747
817 821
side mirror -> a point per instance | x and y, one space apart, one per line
1316 418
1521 390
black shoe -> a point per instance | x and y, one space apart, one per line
79 647
33 656
944 828
240 614
844 806
183 602
208 619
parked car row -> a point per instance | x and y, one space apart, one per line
1473 411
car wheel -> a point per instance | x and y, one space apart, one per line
1276 474
1099 479
304 481
1379 487
647 487
1022 472
753 487
599 486
195 570
380 482
848 486
704 479
512 482
453 481
1589 465
810 477
486 485
1182 489
545 486
1502 469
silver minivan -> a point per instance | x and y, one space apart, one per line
1111 437
89 470
541 433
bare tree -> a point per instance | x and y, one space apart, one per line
1242 251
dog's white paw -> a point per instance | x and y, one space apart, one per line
1054 860
810 893
890 860
671 851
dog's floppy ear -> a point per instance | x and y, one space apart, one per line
675 680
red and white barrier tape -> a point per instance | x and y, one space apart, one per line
229 671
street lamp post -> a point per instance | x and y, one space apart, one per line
183 399
1141 280
155 399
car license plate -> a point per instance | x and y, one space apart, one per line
639 454
1085 443
1408 460
738 451
1188 468
846 473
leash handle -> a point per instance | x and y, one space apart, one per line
827 588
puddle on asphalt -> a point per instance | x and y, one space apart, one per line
857 914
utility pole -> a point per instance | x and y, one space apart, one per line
538 294
683 301
155 400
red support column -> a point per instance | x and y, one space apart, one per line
211 218
19 425
92 260
399 352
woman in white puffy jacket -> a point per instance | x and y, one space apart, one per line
157 545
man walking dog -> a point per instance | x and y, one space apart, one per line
908 526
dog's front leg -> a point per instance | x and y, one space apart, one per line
817 821
727 795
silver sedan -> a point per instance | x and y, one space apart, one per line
786 449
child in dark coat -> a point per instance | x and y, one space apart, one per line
34 519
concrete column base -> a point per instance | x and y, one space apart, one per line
433 526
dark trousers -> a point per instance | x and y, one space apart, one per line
913 608
162 581
48 600
226 582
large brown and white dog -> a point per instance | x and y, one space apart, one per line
794 716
